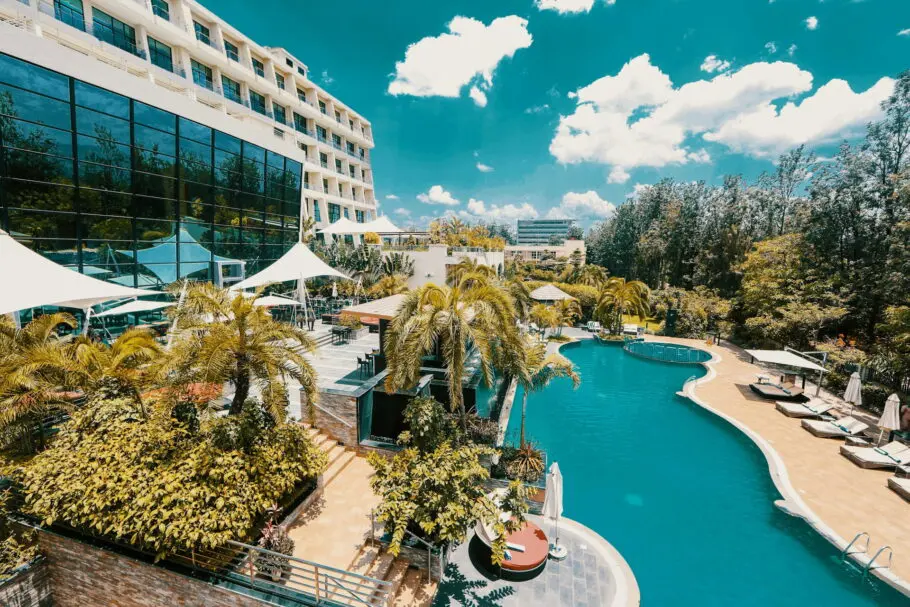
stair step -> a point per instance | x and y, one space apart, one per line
381 565
325 442
414 590
333 452
337 466
396 576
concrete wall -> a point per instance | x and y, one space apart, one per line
430 265
538 252
82 575
336 415
28 588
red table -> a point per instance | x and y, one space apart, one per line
536 548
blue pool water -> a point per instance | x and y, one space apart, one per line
683 495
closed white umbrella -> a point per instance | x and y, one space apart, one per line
552 508
891 419
334 290
854 392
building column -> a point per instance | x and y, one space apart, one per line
182 10
217 36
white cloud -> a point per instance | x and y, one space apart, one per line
905 32
618 175
566 6
582 206
812 23
771 47
437 195
712 64
402 211
639 118
792 50
484 168
467 54
478 210
479 97
391 197
537 109
326 79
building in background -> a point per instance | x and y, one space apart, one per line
545 252
543 231
146 141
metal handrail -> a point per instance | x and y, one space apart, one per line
869 566
865 549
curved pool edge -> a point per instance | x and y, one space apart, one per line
625 591
792 503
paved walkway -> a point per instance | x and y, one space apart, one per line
846 498
333 529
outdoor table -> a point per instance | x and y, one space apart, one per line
340 335
535 546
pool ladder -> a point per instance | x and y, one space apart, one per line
864 549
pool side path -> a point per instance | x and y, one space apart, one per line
837 498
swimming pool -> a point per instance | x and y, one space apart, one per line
683 495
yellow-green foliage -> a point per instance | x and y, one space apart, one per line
161 487
586 295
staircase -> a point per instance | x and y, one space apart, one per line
409 586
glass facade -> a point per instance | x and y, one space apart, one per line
542 231
115 32
161 55
231 89
127 192
258 67
232 52
161 9
202 75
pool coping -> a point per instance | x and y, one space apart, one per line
792 503
625 587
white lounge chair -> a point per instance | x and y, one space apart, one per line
593 326
890 456
839 428
901 486
813 408
630 329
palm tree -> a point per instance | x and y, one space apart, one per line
225 337
30 373
544 316
534 369
469 267
521 296
567 311
397 263
591 275
619 297
394 284
451 319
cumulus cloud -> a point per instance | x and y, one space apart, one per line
712 64
391 197
566 6
618 175
584 206
638 117
402 212
484 168
791 50
537 109
812 23
467 54
437 195
478 210
771 47
905 32
478 96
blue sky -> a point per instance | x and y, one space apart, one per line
522 108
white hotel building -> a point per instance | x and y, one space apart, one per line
210 82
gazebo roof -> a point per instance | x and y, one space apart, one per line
549 293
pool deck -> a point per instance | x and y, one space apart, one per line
594 574
836 497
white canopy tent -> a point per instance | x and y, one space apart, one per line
382 225
135 307
344 226
271 301
32 280
791 359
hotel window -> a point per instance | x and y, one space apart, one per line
325 186
232 52
322 107
289 62
334 212
231 89
353 171
258 67
320 133
300 123
202 75
350 148
324 160
113 31
160 54
70 12
347 213
279 80
301 71
337 116
202 33
358 215
362 154
257 102
161 9
336 141
339 168
301 95
316 214
351 124
280 113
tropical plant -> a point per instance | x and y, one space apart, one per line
469 267
521 296
395 264
567 311
307 230
224 337
450 320
274 538
619 297
590 275
31 376
544 316
371 238
351 321
525 464
437 495
160 486
395 284
427 422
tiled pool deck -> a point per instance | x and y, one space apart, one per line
593 575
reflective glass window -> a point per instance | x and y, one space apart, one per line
101 125
103 151
195 131
154 140
34 78
104 177
154 117
33 107
226 142
43 196
101 100
105 202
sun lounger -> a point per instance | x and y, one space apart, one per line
775 392
890 456
901 486
839 428
813 408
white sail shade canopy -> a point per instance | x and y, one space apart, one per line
135 307
382 225
271 301
32 280
300 263
344 226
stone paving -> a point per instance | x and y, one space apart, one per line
583 579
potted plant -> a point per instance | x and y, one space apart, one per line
275 539
352 322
